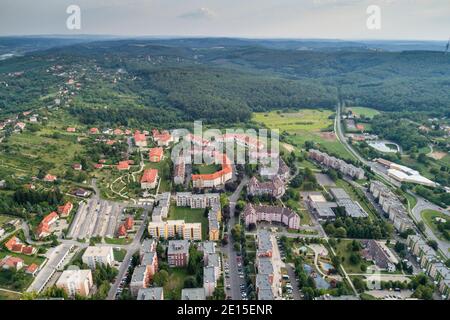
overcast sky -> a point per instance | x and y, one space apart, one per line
344 19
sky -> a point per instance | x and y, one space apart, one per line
330 19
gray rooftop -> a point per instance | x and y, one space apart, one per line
264 241
150 294
352 209
265 266
339 194
208 247
209 275
213 260
139 274
193 294
178 246
147 258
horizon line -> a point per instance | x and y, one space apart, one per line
98 35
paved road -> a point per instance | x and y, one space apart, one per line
234 279
340 136
295 288
422 205
131 249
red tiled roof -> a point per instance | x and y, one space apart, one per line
10 243
32 268
226 168
93 130
149 176
11 262
50 177
156 152
17 247
27 250
139 137
123 165
48 218
65 209
129 222
122 231
98 166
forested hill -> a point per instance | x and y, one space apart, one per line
203 79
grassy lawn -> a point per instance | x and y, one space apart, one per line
207 169
27 259
411 199
173 287
429 217
190 216
164 173
342 251
5 295
123 241
5 219
363 111
31 151
119 254
304 125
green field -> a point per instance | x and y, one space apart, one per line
207 169
429 216
190 216
6 295
119 254
28 152
5 219
363 111
344 253
123 241
173 287
305 125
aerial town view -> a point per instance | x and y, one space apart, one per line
266 165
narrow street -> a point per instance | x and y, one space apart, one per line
234 280
131 249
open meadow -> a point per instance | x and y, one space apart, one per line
305 125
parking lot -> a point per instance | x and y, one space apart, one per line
95 218
240 289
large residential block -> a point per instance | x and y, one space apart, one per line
337 164
98 255
178 253
76 282
256 213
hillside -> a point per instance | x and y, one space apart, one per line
188 80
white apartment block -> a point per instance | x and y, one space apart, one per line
98 255
335 163
173 228
76 282
197 201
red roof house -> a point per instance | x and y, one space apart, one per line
156 154
149 179
123 165
122 231
129 222
65 210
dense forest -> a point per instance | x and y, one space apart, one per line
223 84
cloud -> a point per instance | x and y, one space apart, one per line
201 13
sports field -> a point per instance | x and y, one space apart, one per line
363 111
305 125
